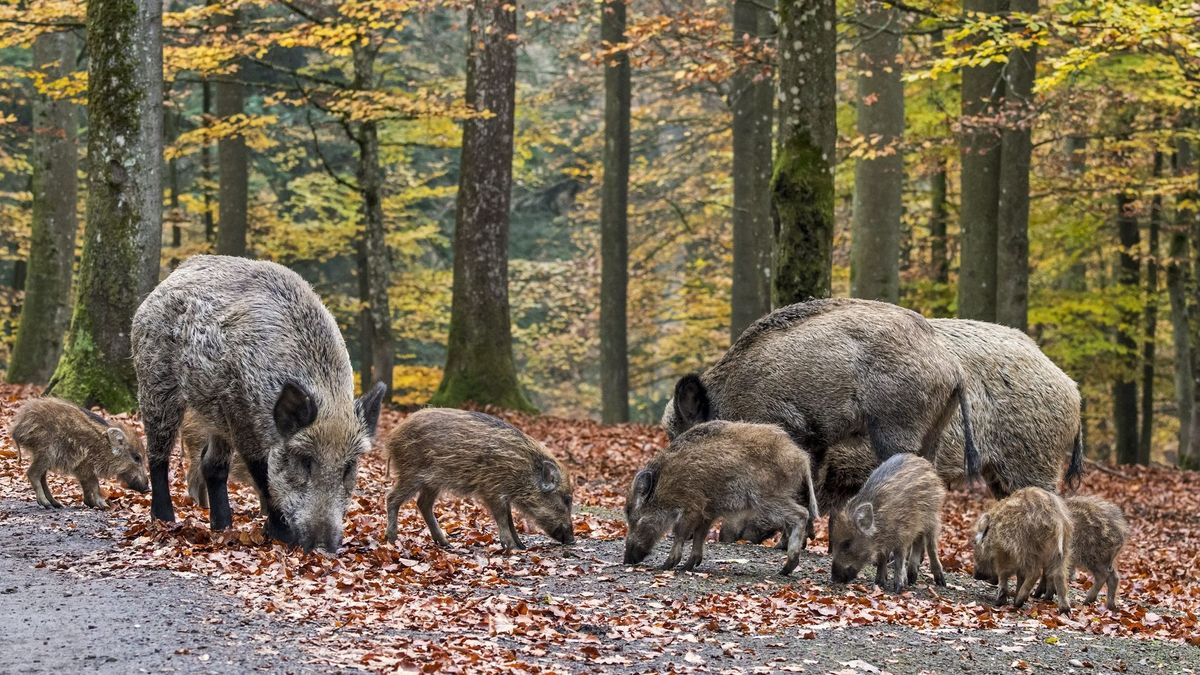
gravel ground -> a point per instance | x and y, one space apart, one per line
57 619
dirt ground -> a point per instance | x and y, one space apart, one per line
61 616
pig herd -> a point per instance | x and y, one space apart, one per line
860 410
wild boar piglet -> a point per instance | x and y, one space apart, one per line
62 437
472 454
896 514
1100 534
194 436
732 470
1027 534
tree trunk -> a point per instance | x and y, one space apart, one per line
374 260
172 123
479 359
982 91
1193 453
123 236
1179 281
939 211
802 179
232 166
1125 403
1012 220
614 227
878 180
1146 437
46 311
753 103
206 107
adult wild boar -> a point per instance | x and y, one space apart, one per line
473 454
249 348
826 370
61 436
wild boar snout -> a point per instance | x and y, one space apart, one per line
843 574
136 480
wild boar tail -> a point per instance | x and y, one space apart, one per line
814 511
1075 468
970 452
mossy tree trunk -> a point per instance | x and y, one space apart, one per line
879 179
479 361
123 234
753 100
374 259
1179 285
982 91
1125 403
614 224
233 158
46 311
802 179
1016 152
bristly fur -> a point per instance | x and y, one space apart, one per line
1100 532
472 454
193 435
1028 534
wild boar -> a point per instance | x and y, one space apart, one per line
194 438
472 454
63 437
249 348
1027 534
734 470
1100 532
896 514
826 370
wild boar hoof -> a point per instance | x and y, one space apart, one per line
940 580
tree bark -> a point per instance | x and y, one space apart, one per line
939 212
1150 320
1179 284
479 361
614 226
123 236
982 91
206 108
1125 403
374 260
752 101
232 166
46 311
878 180
1016 150
1193 453
802 179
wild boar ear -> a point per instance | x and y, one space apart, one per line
367 407
864 518
548 476
644 482
691 400
984 523
116 438
294 409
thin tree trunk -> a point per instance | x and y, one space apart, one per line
1193 453
123 236
1146 437
210 226
232 165
374 261
939 212
878 180
171 123
1075 278
802 180
1179 281
982 92
46 311
479 359
1125 402
753 103
614 226
1012 220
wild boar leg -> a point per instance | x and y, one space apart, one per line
1042 588
91 487
425 502
195 482
502 514
699 534
935 563
1099 578
680 535
794 536
881 570
1002 582
1112 581
162 418
400 493
916 553
899 569
214 461
1059 579
276 528
1025 588
37 478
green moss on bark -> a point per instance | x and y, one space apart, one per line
802 208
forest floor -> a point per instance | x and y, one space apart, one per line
109 591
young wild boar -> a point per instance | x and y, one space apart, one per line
898 514
194 437
1099 536
249 348
472 454
732 470
1028 534
826 370
63 437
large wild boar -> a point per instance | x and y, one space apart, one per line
473 454
249 348
63 437
826 370
193 435
1099 535
897 514
735 470
1028 535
